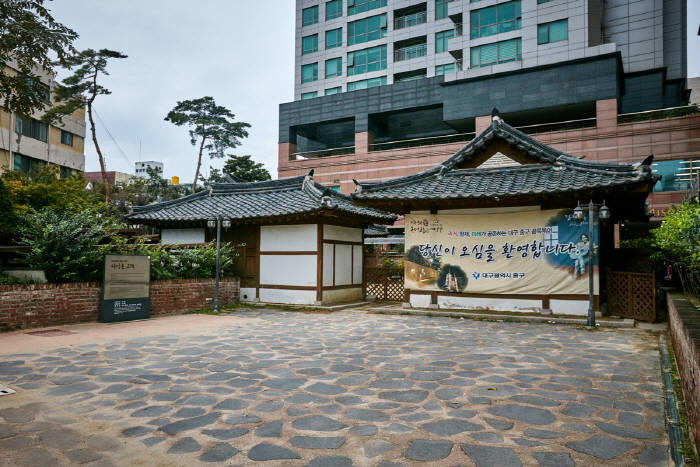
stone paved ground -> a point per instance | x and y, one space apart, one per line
341 389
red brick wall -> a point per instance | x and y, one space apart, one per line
684 325
41 305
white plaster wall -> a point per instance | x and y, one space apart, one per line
172 236
357 264
343 264
569 307
247 294
294 297
328 264
420 301
342 295
297 270
346 234
288 237
495 304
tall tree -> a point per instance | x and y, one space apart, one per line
247 169
29 36
80 90
214 128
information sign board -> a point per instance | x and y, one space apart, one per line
126 288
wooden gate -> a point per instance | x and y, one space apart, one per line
385 283
632 295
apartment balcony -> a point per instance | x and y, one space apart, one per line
413 19
459 30
413 51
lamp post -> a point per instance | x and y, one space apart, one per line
603 215
211 223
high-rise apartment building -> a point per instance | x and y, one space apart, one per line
385 88
28 144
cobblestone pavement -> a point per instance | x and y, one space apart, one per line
341 389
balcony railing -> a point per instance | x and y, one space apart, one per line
557 126
410 20
414 51
300 156
431 141
459 30
658 114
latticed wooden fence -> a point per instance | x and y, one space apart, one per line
385 283
632 295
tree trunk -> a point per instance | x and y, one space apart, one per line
99 155
199 164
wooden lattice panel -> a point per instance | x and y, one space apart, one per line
385 283
632 295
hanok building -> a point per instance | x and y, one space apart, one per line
491 227
299 242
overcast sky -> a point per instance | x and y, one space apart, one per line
240 52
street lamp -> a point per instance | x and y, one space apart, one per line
603 215
217 222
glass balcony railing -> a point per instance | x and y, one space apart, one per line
407 53
410 20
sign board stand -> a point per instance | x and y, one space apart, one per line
126 288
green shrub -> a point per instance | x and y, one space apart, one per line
65 246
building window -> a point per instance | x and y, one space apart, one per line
676 175
448 68
309 16
542 1
66 172
493 54
334 9
309 44
309 73
367 83
441 8
335 188
441 40
31 128
334 67
334 38
24 163
364 61
360 6
496 19
309 95
553 32
331 91
366 30
410 75
66 138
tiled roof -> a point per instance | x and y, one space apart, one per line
552 172
257 200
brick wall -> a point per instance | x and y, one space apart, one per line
41 305
684 325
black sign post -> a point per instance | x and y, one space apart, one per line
126 288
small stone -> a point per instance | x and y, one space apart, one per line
574 409
269 406
219 453
554 459
654 455
153 440
330 461
137 431
624 431
490 456
479 400
268 452
364 415
448 393
269 430
500 425
184 446
232 404
487 437
580 427
543 434
241 419
375 448
428 450
451 427
527 442
411 396
522 413
364 430
190 423
325 389
83 456
313 442
602 447
318 423
398 428
630 419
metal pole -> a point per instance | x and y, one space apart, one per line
218 257
591 312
